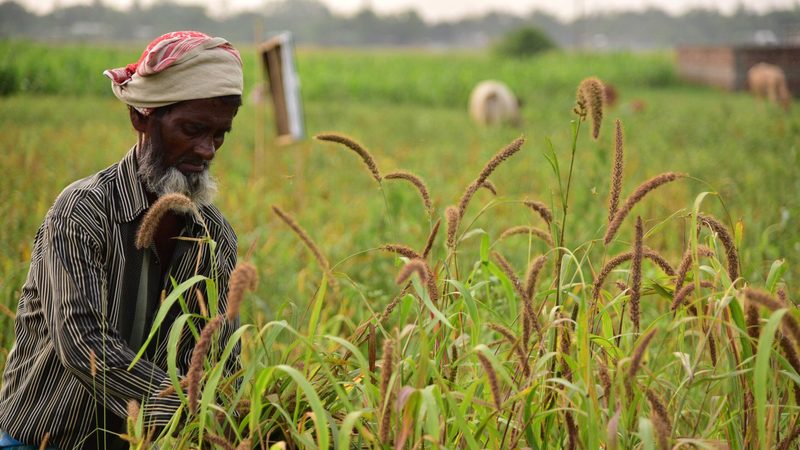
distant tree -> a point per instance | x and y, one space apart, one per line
523 42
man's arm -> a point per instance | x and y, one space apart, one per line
77 319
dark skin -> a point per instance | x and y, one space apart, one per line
191 132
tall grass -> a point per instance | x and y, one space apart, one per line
463 365
463 369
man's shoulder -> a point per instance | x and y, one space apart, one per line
85 195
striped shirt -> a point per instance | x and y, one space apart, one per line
80 298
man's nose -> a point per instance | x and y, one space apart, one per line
206 149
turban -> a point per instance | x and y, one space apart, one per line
178 66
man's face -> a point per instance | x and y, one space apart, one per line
179 144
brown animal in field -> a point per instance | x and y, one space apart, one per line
492 103
768 81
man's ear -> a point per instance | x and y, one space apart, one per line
138 120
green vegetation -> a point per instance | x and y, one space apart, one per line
308 374
523 42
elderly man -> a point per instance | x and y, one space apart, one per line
91 296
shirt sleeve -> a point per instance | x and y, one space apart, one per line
86 343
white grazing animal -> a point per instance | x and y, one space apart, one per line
768 81
493 103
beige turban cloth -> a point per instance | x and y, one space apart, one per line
178 66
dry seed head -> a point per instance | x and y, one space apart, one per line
133 411
418 183
572 431
169 390
727 242
532 275
590 101
505 266
198 355
431 238
616 173
385 399
621 258
369 161
372 347
636 274
686 263
524 229
401 250
679 297
487 170
712 349
452 217
541 209
514 343
309 243
566 340
214 439
660 419
638 354
151 220
492 376
244 277
244 445
414 266
765 299
489 186
605 380
635 197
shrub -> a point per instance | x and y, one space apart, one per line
524 42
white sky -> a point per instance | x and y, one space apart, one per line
435 10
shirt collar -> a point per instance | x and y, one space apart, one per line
130 199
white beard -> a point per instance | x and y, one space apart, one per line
160 179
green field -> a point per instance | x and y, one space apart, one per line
60 123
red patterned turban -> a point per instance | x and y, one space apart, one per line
178 66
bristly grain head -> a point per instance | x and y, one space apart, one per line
505 266
244 277
431 238
532 275
452 217
416 265
660 418
217 440
638 355
418 183
513 341
402 250
758 297
350 143
686 263
636 273
169 202
133 410
727 242
198 355
386 395
589 101
635 197
491 375
489 186
524 229
310 244
541 209
616 173
507 151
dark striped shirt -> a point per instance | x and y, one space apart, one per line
80 298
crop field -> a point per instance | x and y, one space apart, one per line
531 321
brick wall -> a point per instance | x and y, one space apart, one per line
727 67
